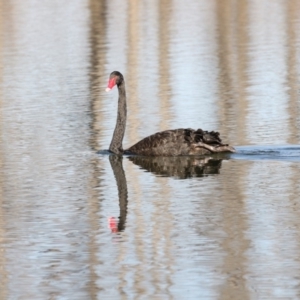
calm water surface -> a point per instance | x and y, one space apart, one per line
78 223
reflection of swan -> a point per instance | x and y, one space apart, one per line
165 143
116 164
181 167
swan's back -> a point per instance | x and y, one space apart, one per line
179 142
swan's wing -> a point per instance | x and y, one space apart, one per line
161 143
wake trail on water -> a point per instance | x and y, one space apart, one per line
268 152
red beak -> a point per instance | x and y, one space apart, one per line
111 84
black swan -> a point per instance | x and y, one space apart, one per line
165 143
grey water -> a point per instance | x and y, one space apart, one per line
79 223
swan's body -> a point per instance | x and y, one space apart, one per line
165 143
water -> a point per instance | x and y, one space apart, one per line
78 223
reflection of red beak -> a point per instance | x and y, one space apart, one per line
113 224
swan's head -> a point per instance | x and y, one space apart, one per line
115 78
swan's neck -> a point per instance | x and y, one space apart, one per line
116 142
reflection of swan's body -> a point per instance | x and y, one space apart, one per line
181 167
116 164
165 143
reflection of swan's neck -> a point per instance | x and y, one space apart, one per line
116 142
117 166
